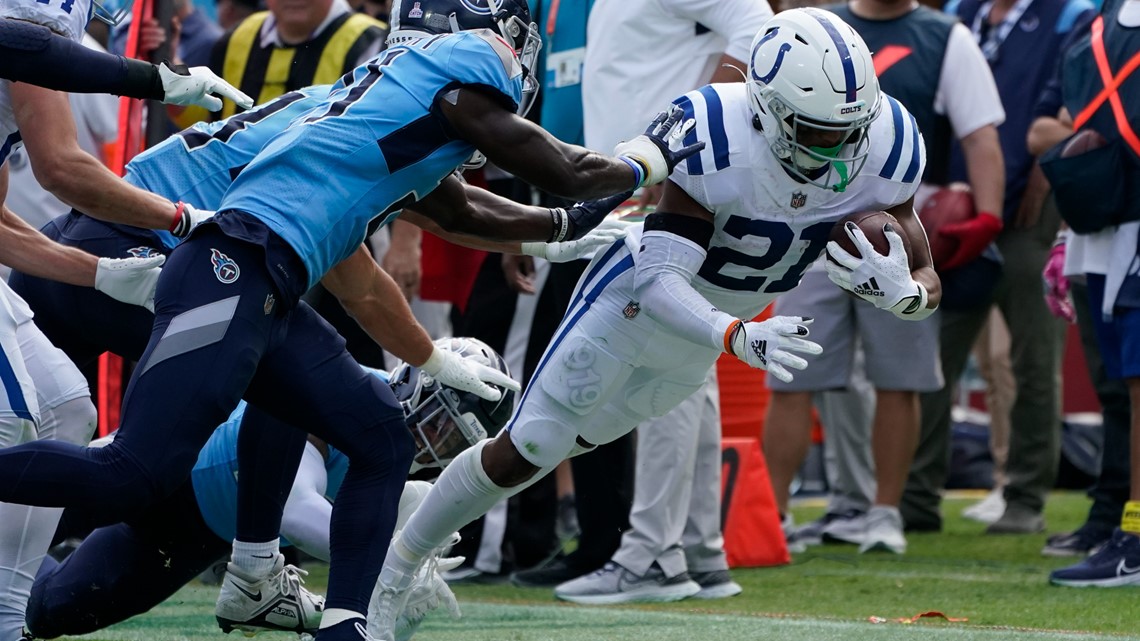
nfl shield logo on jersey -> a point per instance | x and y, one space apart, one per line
416 11
632 309
225 268
799 199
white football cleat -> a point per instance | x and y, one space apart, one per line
279 602
401 600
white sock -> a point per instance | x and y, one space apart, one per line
25 536
462 494
256 559
329 618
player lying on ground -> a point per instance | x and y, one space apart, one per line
737 225
45 54
229 322
123 570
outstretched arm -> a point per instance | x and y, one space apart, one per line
32 54
477 218
526 150
375 301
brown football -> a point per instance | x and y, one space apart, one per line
1082 142
951 204
872 223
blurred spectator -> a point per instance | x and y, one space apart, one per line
199 33
928 61
1111 488
232 12
991 353
295 44
642 55
1022 41
1096 191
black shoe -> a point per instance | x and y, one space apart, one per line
546 576
1082 542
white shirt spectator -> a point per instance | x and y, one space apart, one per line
644 53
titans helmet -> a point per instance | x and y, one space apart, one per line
510 19
809 69
445 421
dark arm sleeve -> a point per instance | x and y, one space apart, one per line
33 54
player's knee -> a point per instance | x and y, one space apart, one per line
383 445
505 465
72 421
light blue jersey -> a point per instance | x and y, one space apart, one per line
215 475
198 164
376 144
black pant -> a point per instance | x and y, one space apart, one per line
1111 490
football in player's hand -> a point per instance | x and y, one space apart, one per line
1083 142
951 204
872 223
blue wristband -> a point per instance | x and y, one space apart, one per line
638 171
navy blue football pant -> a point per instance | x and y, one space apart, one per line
223 329
85 322
124 569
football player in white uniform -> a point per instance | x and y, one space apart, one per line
806 140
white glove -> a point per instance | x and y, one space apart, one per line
130 280
428 592
769 344
604 234
188 219
468 375
883 281
194 86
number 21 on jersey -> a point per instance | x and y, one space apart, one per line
782 240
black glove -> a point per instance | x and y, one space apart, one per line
577 221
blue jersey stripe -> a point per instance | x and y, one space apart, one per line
619 268
915 152
16 399
892 163
844 56
693 165
719 138
13 139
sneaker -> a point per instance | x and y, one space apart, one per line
1117 563
468 574
791 536
812 533
717 584
556 572
989 509
278 602
1081 542
614 584
428 592
884 531
849 527
1018 519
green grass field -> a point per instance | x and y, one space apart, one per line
997 583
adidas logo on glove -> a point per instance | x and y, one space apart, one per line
869 288
759 348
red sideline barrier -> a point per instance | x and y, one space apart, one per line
748 514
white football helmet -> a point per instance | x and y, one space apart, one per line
811 70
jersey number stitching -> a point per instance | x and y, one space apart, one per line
780 237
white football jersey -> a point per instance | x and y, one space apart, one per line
68 18
769 227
